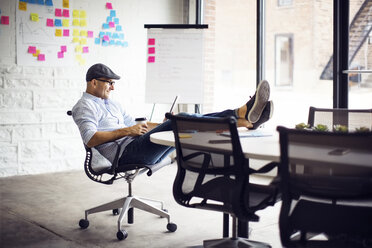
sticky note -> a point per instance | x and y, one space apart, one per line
118 28
58 32
118 43
125 44
41 57
113 13
58 12
66 13
105 43
97 41
75 32
58 22
65 22
111 24
109 19
31 49
63 48
106 38
151 50
115 36
109 34
105 26
78 57
66 32
75 40
41 2
116 20
60 55
101 34
75 22
48 2
85 49
36 53
121 36
66 4
90 34
4 20
151 59
83 14
83 33
34 17
22 6
83 23
78 49
108 5
83 41
151 41
112 42
50 22
75 13
82 61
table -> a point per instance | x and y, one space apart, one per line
254 147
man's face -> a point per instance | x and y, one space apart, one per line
103 86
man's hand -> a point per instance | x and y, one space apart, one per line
138 129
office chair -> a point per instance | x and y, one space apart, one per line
100 170
326 187
214 174
351 118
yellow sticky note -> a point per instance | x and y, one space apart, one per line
22 6
75 22
83 14
66 4
78 57
83 41
75 40
36 54
83 33
83 22
34 17
59 32
79 49
65 23
75 13
82 61
75 32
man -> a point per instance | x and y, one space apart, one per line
103 124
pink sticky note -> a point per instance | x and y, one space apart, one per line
151 59
90 34
111 24
66 13
85 49
60 55
63 49
50 22
58 12
151 50
151 41
109 5
106 38
66 32
5 20
31 49
41 57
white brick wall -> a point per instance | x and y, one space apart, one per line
36 135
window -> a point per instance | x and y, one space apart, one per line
283 60
285 2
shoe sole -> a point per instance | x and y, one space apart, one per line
262 96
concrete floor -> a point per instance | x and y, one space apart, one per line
43 211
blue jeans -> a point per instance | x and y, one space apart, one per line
142 151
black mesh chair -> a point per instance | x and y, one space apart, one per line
213 174
326 187
351 118
100 170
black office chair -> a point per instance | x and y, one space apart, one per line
351 118
326 186
215 176
100 170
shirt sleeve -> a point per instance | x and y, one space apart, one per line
86 118
128 119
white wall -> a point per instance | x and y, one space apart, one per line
36 135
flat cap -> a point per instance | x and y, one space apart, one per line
100 71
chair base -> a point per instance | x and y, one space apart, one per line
234 243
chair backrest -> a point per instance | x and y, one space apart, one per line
351 118
210 175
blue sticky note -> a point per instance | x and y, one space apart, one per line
116 20
115 36
105 26
48 2
105 43
40 2
97 41
112 42
58 22
31 1
109 19
125 44
113 13
118 28
118 43
21 1
121 36
101 34
109 34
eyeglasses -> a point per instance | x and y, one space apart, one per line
111 83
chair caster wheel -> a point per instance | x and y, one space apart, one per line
83 223
116 211
122 234
171 227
